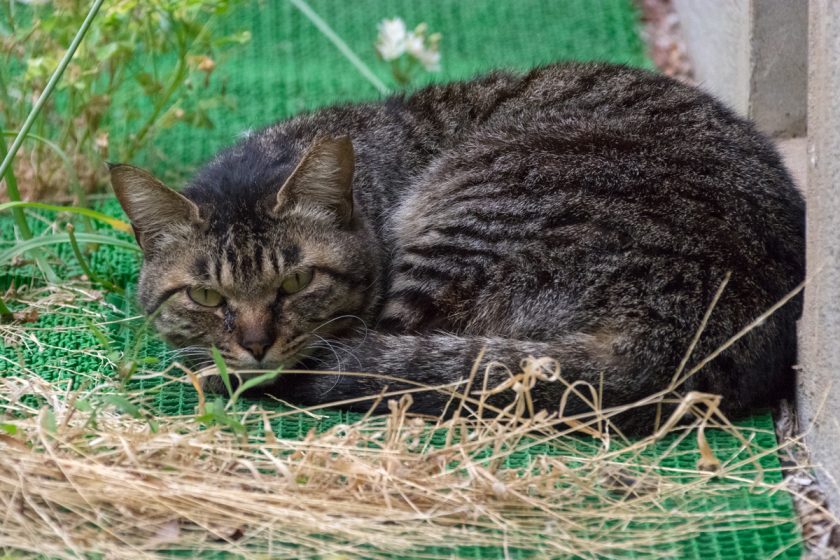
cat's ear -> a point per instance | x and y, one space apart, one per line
152 206
323 179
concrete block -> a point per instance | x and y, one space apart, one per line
818 399
752 55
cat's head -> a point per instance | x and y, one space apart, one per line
261 271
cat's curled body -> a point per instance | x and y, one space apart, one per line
583 212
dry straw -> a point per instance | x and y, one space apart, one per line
376 487
116 481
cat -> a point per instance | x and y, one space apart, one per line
583 212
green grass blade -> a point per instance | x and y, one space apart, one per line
20 220
75 185
123 405
53 81
253 382
6 166
339 43
5 313
83 264
115 223
223 371
58 239
14 195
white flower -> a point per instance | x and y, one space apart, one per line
391 42
429 58
414 44
426 51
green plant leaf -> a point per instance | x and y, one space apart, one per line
10 429
258 380
222 367
150 85
61 238
83 405
215 414
123 405
48 422
106 51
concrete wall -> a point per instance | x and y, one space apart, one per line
751 54
819 329
779 66
717 34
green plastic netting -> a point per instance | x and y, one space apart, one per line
287 67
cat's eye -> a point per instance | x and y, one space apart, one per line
294 283
205 297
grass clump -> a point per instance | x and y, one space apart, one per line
161 50
98 463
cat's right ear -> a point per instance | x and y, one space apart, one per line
152 206
323 179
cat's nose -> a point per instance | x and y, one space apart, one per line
257 344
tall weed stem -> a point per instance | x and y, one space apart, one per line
92 276
45 95
14 195
5 313
339 43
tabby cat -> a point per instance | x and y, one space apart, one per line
584 212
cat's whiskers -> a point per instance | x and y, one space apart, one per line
334 319
188 352
198 366
191 357
326 344
335 343
191 347
331 345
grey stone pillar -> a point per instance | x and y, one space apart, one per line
819 332
751 54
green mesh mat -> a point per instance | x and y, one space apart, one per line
288 67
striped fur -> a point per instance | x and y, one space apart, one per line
582 212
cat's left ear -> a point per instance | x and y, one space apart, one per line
323 180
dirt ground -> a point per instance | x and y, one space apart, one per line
664 38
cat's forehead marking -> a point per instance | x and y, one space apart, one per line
201 268
247 266
257 258
268 262
291 255
225 277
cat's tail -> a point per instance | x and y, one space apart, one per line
601 361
